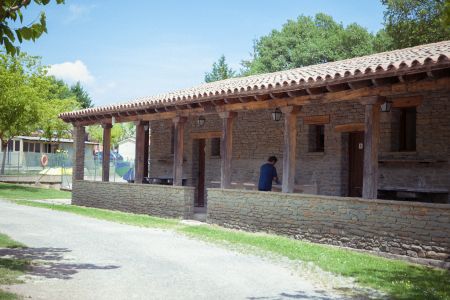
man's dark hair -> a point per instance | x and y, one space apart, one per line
272 159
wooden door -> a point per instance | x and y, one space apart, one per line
201 174
356 163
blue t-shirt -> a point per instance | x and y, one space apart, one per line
267 173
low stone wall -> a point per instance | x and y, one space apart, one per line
151 199
406 228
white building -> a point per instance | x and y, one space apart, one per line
27 150
127 148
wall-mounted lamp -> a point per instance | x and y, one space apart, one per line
386 106
146 127
276 114
201 121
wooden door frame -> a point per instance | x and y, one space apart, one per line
201 173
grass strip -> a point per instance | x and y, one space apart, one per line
108 215
7 242
8 296
15 191
399 279
11 268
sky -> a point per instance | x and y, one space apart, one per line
121 50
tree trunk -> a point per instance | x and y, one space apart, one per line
4 149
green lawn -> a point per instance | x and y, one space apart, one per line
399 279
14 191
10 269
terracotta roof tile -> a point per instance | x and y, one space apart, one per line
397 60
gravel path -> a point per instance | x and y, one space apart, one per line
84 258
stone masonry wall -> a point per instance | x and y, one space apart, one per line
406 228
156 200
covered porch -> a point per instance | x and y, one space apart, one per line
348 132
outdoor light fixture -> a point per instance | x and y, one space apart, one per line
201 121
113 120
386 106
276 114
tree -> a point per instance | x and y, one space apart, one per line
220 71
56 98
19 98
30 101
446 15
308 41
81 95
10 12
118 133
415 22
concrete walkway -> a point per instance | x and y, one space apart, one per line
84 258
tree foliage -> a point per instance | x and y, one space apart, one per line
220 71
119 132
10 13
308 41
81 95
28 101
446 15
414 22
19 99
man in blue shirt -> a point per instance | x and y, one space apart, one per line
267 174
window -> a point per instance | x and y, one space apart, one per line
37 147
215 147
30 147
48 148
404 129
17 146
316 138
25 146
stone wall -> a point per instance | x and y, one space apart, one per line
406 228
156 200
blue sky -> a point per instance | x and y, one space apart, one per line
121 50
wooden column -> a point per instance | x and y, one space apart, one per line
146 147
178 149
139 160
226 148
289 148
371 142
78 163
106 151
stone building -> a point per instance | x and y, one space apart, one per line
346 134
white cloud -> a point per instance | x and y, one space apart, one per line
78 11
72 72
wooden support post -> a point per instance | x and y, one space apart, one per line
78 164
371 141
146 147
139 160
289 148
178 149
106 151
226 148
